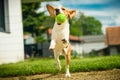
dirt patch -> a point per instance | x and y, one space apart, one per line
94 75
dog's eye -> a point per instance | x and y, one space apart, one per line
63 8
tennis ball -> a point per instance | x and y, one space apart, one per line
60 18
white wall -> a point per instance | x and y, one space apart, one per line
88 47
11 44
78 48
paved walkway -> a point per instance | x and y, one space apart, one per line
94 75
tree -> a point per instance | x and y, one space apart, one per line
33 20
75 27
85 25
48 22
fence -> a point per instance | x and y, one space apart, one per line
38 50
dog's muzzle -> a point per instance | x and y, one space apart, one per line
57 11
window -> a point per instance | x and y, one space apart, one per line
2 21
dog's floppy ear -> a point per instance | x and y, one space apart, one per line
50 10
72 13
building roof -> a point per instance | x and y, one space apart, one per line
93 38
113 36
71 37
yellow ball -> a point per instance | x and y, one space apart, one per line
61 18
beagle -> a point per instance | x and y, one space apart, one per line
60 36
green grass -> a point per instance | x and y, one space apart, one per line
48 65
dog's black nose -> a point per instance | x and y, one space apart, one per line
57 11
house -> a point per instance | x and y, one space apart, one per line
92 43
103 45
76 43
74 40
11 30
112 40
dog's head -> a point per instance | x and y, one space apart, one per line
53 11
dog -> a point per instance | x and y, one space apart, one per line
59 43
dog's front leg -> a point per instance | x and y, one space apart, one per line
52 45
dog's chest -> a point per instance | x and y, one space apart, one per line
59 35
60 32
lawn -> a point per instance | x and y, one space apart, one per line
48 65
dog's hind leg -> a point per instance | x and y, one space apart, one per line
67 66
56 56
68 56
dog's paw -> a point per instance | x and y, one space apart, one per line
67 75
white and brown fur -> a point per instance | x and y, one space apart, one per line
60 35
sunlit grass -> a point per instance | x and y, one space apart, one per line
48 65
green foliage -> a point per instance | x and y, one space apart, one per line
26 33
85 25
40 39
33 20
75 27
36 66
48 22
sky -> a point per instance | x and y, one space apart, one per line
107 11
